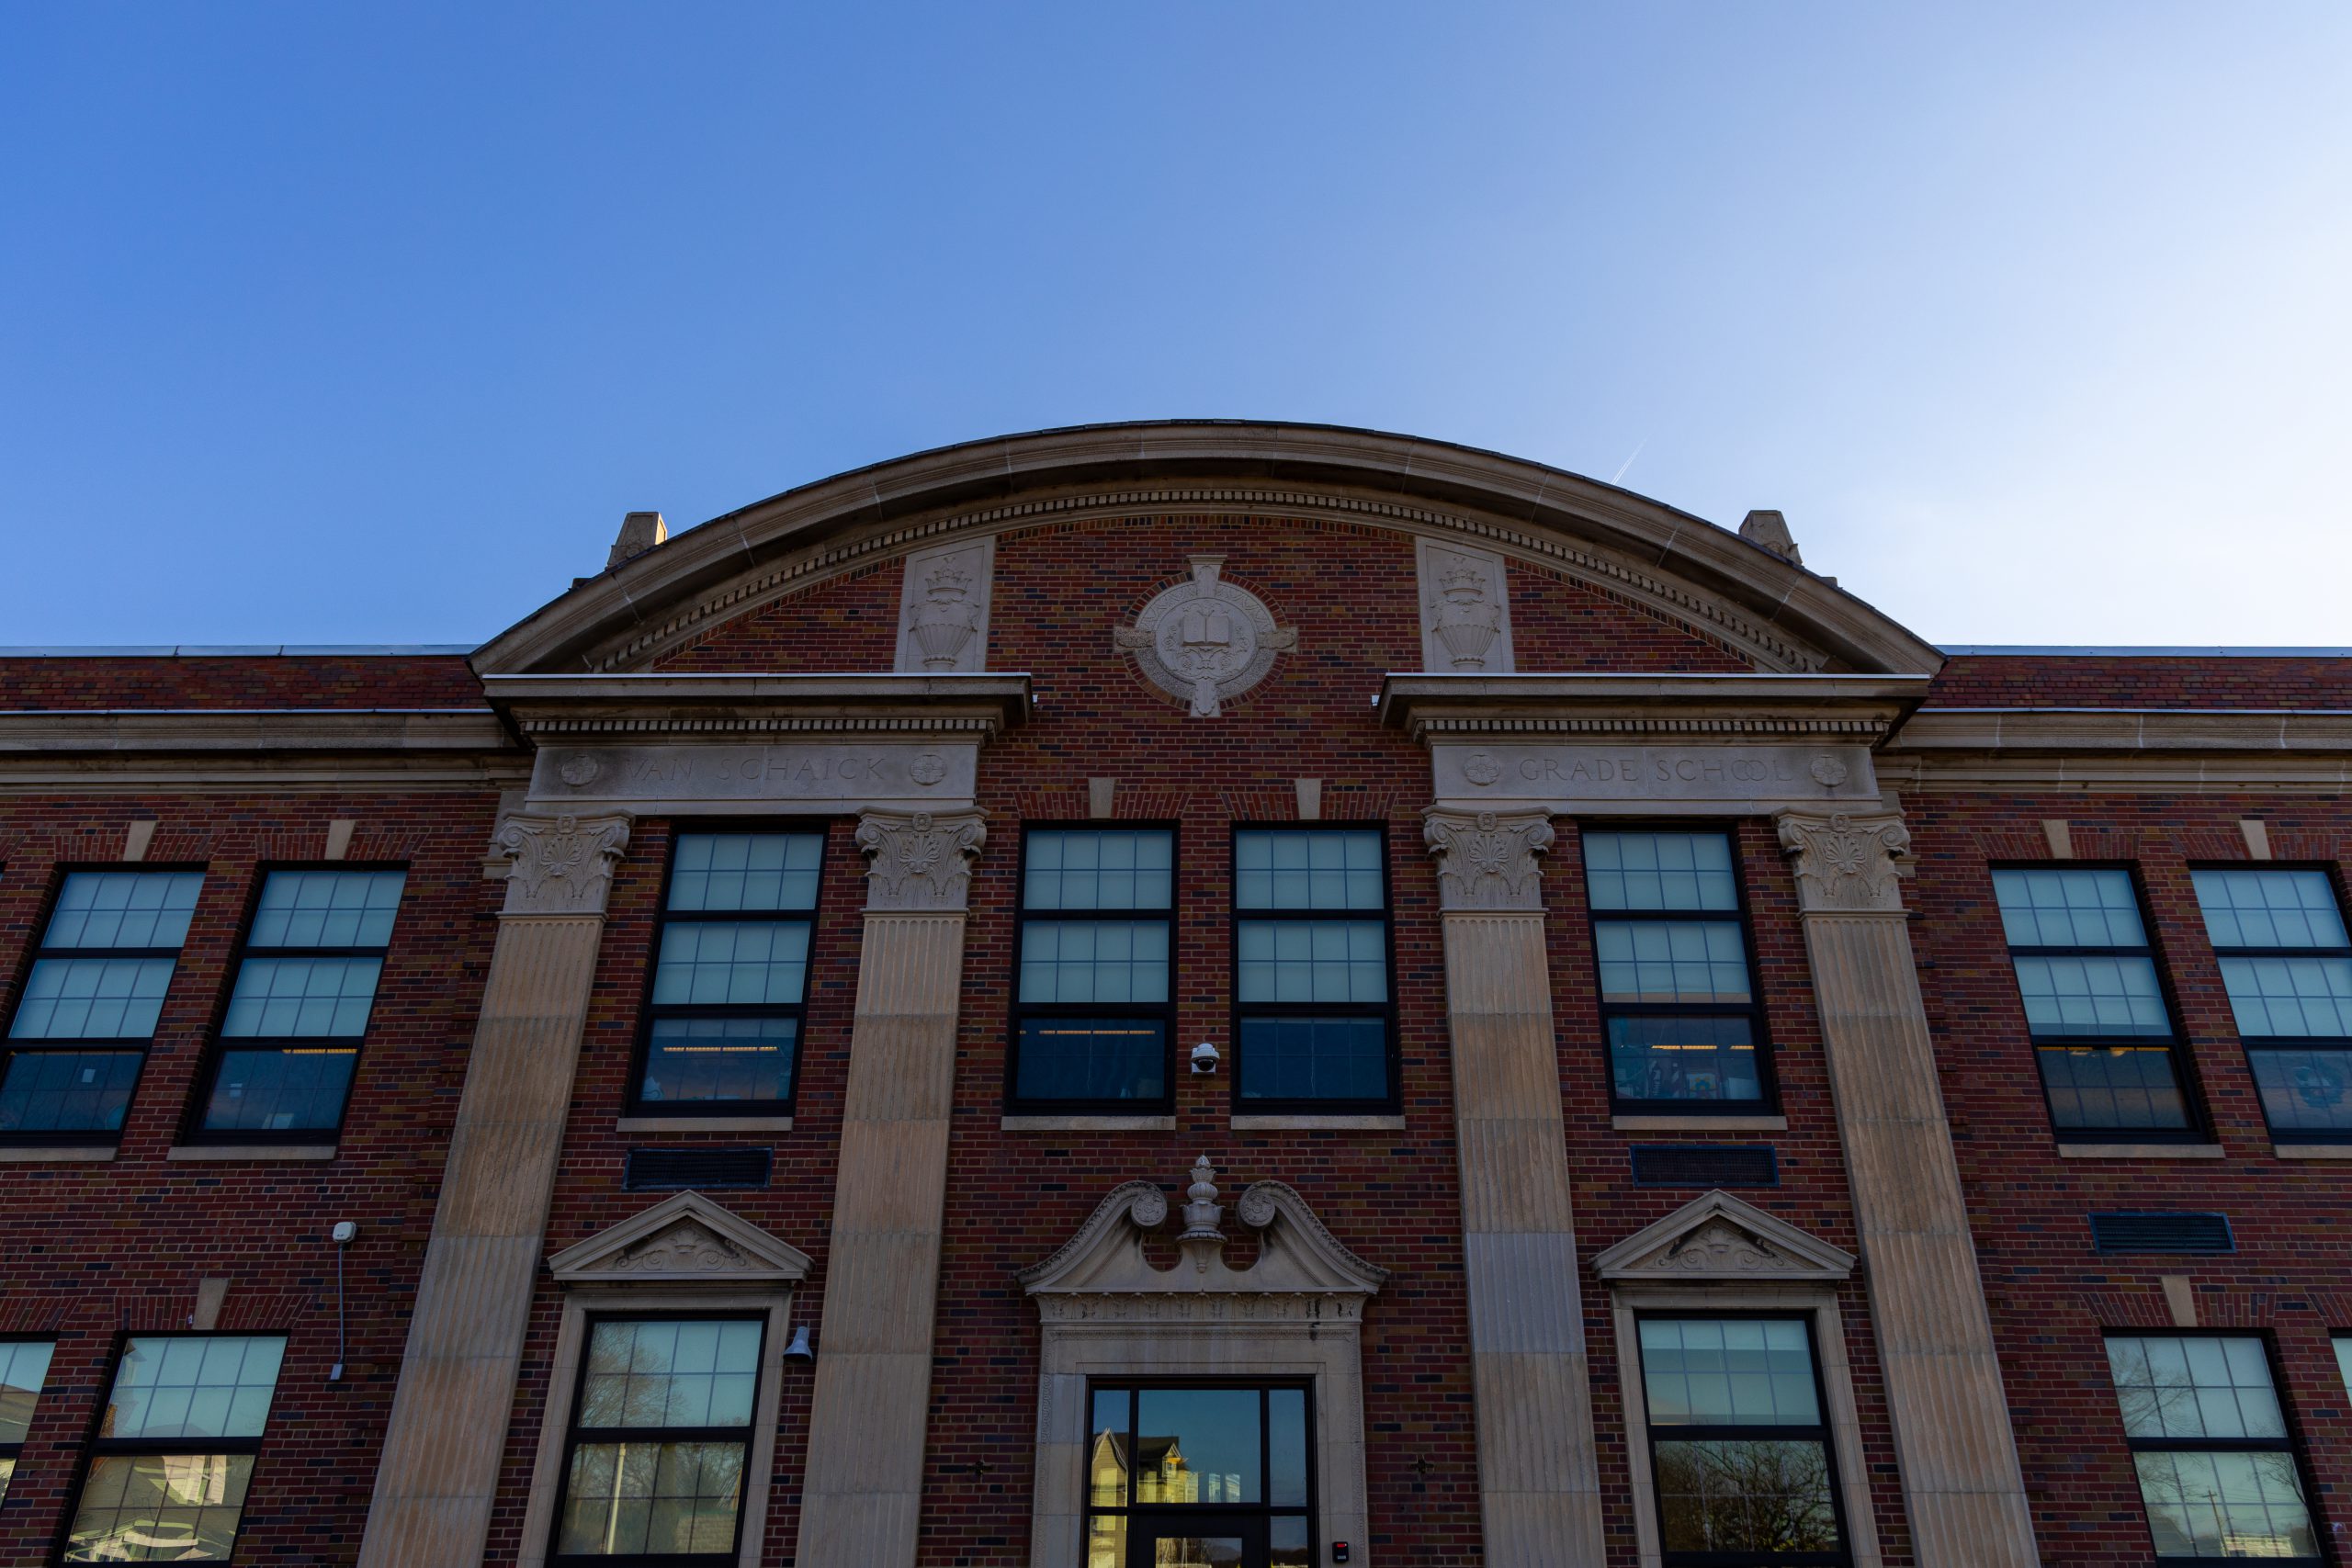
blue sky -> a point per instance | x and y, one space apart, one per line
366 322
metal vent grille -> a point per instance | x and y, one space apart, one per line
654 1170
2162 1232
1705 1165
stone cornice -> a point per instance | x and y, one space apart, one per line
2052 731
1691 570
2189 752
271 749
1861 708
158 732
728 706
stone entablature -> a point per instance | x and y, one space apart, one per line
699 745
1663 745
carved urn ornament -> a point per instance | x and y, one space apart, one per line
1465 619
1205 640
946 619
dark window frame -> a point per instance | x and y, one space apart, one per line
634 1102
217 1044
16 1451
2250 1044
2175 1042
573 1437
10 1048
1825 1433
2292 1444
1767 1077
1263 1513
95 1448
1387 1104
1018 1011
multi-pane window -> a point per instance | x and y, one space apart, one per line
305 989
1199 1475
2288 964
2100 1029
722 1030
1094 1000
1310 969
653 1470
2217 1468
175 1452
24 1367
90 1003
1678 1001
1739 1450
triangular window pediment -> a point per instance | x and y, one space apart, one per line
1718 1238
686 1239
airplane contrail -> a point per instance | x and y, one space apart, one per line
1628 463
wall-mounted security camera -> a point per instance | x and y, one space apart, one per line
1204 1057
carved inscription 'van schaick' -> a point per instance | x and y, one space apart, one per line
1630 777
834 773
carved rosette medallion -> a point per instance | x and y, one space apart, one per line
1489 861
1847 864
920 861
1205 640
559 865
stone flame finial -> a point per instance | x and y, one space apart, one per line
1202 1213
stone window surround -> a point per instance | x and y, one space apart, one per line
564 1387
1818 1305
684 1255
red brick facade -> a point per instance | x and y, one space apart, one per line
96 1250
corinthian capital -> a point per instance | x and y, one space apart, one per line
920 861
559 865
1487 862
1847 864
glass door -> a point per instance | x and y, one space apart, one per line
1200 1475
1196 1540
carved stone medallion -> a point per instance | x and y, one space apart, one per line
1205 640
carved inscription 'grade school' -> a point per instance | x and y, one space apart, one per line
831 772
1630 777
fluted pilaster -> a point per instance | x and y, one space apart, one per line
862 1499
1961 1484
1538 1480
439 1471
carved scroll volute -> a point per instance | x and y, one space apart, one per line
1847 864
1487 861
919 862
559 865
